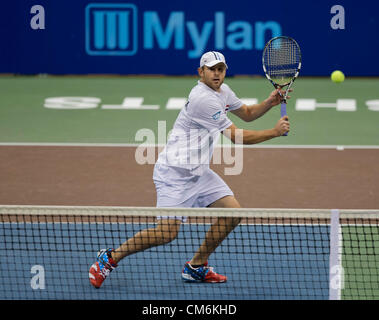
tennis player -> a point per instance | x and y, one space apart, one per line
183 178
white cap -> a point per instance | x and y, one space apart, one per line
212 58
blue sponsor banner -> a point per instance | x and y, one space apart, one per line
169 37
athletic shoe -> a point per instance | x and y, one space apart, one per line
201 274
101 268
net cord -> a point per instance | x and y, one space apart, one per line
193 212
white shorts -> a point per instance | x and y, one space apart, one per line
178 188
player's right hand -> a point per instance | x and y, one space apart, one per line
282 126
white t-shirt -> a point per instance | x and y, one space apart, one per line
197 128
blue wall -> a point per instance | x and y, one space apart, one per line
168 37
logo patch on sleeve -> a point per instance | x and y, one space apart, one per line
217 115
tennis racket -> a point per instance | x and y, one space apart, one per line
281 61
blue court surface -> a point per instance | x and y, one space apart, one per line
261 261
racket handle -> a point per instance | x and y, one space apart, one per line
283 112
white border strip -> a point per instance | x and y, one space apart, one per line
133 145
335 264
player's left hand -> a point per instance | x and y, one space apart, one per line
276 97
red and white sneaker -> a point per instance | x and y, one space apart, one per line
103 266
201 274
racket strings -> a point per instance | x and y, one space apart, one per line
281 59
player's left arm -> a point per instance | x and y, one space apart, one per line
252 112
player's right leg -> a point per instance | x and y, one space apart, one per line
107 260
164 232
101 268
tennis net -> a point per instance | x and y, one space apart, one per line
46 253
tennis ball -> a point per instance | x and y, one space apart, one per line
337 76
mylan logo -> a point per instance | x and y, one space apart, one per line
112 29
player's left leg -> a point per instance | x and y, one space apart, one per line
218 231
197 269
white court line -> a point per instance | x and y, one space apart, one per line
133 145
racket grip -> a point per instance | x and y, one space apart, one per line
283 112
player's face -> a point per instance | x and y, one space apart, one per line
213 76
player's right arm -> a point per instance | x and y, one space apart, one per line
243 136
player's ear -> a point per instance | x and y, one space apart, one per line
200 71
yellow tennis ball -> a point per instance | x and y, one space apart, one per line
337 76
